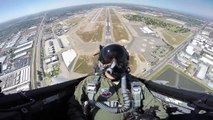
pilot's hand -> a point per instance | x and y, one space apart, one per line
138 116
148 117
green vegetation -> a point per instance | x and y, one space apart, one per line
136 18
42 53
85 64
168 26
173 38
190 69
55 71
189 20
16 25
157 22
161 51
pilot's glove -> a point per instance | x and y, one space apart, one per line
148 117
150 114
139 116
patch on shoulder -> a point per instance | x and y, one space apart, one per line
105 92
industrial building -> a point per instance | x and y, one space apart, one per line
23 48
202 71
60 43
16 80
13 40
68 57
2 59
51 59
19 55
24 44
146 30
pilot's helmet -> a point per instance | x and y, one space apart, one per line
115 52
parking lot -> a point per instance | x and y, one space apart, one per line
145 43
21 62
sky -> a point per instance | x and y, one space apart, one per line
10 9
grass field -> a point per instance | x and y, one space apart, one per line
95 35
73 21
132 64
102 16
119 32
166 67
174 39
98 35
85 64
114 17
141 57
85 36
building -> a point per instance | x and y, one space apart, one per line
16 81
2 45
51 48
19 55
1 67
60 43
206 60
13 40
25 44
23 48
68 56
52 59
202 71
146 30
2 59
190 50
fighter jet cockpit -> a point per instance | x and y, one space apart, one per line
106 60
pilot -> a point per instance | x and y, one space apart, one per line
112 93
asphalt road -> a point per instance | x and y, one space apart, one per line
36 56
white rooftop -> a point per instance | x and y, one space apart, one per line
202 72
206 60
68 56
27 43
2 59
146 30
20 55
23 48
15 79
190 50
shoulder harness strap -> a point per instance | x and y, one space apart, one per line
92 86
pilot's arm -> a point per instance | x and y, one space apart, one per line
75 111
150 101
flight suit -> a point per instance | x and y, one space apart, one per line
108 91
